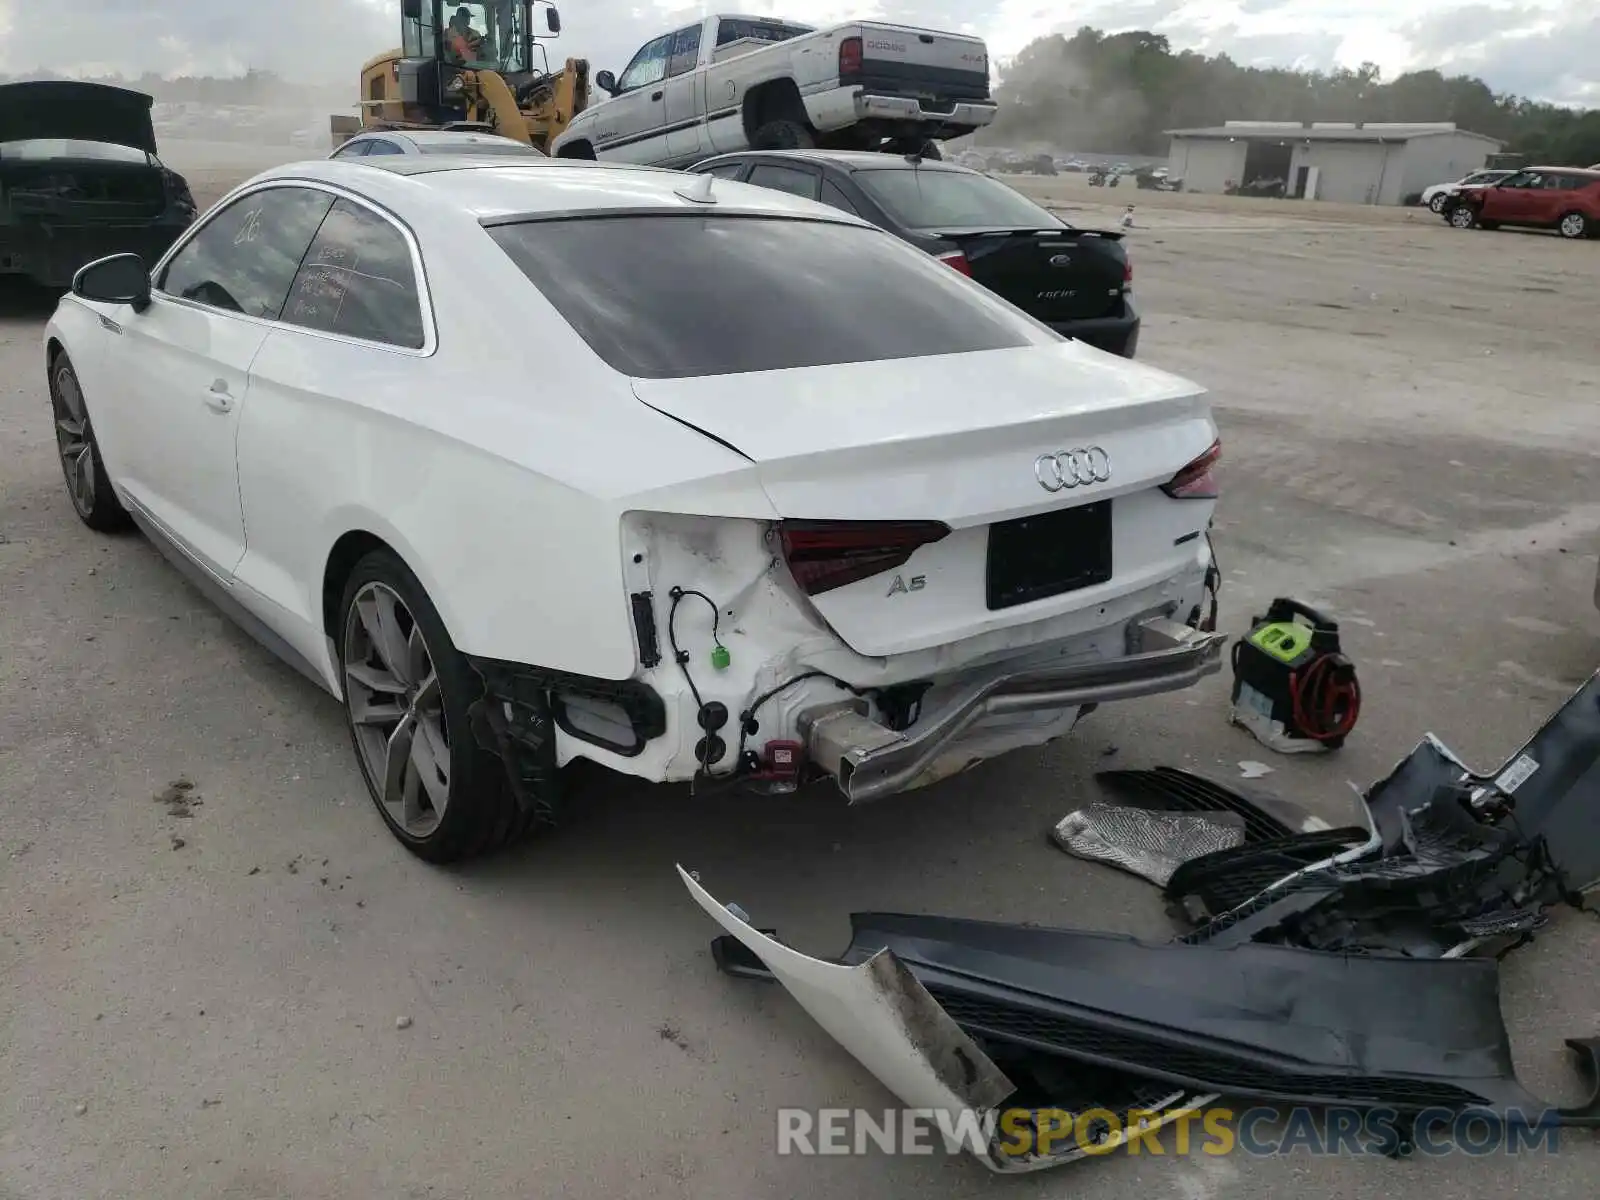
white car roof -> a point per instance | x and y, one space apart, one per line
487 188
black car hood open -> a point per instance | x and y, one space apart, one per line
88 112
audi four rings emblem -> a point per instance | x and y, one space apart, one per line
1070 468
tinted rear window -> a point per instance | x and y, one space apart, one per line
668 296
733 29
951 200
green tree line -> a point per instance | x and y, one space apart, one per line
1118 93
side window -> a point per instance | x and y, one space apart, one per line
353 149
244 259
685 51
726 170
358 280
648 66
832 195
785 179
411 39
383 146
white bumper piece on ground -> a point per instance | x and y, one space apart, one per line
893 1026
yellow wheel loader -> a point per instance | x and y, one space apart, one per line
471 66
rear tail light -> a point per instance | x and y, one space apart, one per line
1127 272
1195 481
849 57
823 555
958 260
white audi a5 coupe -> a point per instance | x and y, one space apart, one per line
537 460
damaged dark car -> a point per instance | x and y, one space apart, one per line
80 180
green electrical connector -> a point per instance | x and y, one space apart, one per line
720 658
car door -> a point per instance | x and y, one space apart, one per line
356 331
629 127
788 177
685 99
1509 200
185 364
1558 196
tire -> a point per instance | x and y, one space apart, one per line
1574 225
928 148
1436 205
88 484
783 134
437 690
1463 217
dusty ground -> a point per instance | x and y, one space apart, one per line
1408 420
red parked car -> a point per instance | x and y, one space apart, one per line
1566 199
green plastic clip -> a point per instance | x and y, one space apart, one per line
720 658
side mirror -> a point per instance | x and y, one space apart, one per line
119 279
606 82
552 19
411 10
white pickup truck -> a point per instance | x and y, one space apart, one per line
730 83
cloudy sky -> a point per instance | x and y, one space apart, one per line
1549 49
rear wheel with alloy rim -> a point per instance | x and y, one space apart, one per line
1574 225
408 695
1438 202
88 485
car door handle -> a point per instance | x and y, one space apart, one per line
655 95
218 398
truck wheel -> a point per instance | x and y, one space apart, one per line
1574 225
783 134
408 692
928 148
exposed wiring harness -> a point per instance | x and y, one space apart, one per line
747 716
682 658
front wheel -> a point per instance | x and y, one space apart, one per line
1438 202
408 695
1574 225
1463 217
88 485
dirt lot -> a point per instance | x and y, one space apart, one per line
1408 416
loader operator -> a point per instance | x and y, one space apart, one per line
465 42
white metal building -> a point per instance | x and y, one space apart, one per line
1353 163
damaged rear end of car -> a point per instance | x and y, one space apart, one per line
949 531
79 180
